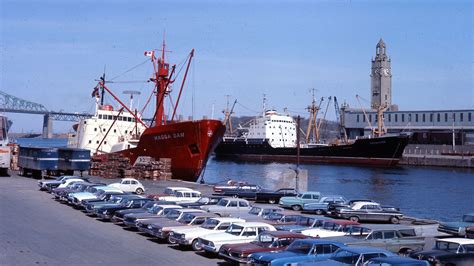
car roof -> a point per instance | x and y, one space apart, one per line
319 241
169 206
246 224
341 222
190 210
310 192
188 190
286 234
361 203
235 199
129 179
458 240
178 188
388 227
333 196
364 249
230 219
395 259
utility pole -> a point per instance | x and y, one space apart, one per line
297 151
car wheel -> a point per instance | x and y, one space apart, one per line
394 220
171 241
319 212
296 207
354 219
139 191
405 252
195 245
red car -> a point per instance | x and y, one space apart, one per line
265 242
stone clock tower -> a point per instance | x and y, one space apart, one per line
381 78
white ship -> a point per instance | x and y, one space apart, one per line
107 131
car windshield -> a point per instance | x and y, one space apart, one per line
125 203
155 209
299 195
468 218
274 216
305 221
332 226
210 224
469 248
186 218
149 205
255 210
234 229
346 257
447 246
173 214
223 202
265 240
203 200
300 247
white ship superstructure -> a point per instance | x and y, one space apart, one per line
279 130
108 130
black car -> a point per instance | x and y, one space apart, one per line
244 191
107 212
274 196
212 200
448 251
119 215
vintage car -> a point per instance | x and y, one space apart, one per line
273 197
282 218
263 211
369 211
395 261
163 229
212 200
183 196
299 250
448 251
331 228
321 207
44 184
350 256
398 239
119 215
77 186
265 242
65 183
90 193
245 191
229 207
129 185
114 200
144 225
297 202
334 207
230 184
236 233
303 223
457 228
130 220
189 236
107 212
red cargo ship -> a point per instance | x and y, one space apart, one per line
187 143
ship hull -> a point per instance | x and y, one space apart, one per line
383 151
188 144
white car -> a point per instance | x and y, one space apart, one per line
183 196
331 228
189 236
229 207
92 193
129 185
237 233
170 190
66 182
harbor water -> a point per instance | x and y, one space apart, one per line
424 192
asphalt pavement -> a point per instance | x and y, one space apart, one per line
35 229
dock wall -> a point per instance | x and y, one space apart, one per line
439 155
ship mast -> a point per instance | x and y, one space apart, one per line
227 113
162 80
313 114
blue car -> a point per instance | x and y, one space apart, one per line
299 250
357 256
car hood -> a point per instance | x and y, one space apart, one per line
430 253
245 248
82 195
166 223
195 232
140 215
455 224
222 236
155 220
269 256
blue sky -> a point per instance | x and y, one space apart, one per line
52 51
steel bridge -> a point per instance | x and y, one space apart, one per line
12 104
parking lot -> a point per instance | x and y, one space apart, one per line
36 229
